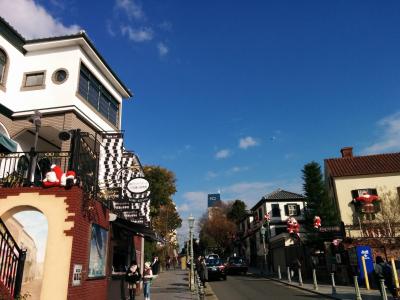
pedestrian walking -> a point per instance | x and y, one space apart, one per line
147 278
294 267
132 277
168 262
382 270
203 272
155 265
198 263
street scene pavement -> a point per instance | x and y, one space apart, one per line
254 287
173 284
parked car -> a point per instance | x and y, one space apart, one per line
212 256
237 265
216 268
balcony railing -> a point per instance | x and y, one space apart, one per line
12 260
20 169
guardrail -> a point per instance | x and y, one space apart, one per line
199 287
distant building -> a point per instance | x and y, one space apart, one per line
25 242
213 199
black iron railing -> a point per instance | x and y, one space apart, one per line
16 168
12 260
29 168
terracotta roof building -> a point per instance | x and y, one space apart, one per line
349 177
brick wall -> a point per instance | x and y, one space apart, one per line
84 215
4 293
95 289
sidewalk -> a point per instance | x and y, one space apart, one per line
342 292
170 285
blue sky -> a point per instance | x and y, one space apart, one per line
237 96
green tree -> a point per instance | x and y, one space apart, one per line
167 221
237 211
216 231
318 202
162 186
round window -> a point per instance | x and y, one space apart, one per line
60 76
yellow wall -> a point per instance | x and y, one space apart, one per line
344 186
59 246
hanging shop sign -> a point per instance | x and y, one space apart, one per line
138 185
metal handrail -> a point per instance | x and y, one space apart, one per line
12 260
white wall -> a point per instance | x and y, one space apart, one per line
54 95
283 218
344 186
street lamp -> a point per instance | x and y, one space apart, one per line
36 120
263 230
191 226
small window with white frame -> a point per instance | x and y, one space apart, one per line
34 80
292 209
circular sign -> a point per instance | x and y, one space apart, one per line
138 185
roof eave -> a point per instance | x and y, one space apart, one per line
79 37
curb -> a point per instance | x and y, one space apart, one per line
297 286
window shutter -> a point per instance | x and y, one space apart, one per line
286 210
298 212
354 194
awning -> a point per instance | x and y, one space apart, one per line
136 229
7 144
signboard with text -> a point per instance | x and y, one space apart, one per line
366 252
213 199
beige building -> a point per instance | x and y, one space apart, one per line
351 177
25 242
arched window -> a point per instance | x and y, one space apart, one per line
3 62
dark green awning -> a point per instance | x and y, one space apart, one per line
7 144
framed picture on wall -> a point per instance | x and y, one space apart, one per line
98 251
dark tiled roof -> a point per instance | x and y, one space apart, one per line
364 165
279 195
283 195
12 35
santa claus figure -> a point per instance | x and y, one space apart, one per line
68 179
293 226
367 201
53 177
317 222
56 177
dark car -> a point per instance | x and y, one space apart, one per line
237 265
216 269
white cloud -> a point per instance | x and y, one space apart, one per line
183 208
237 169
211 175
195 203
249 192
389 129
142 34
224 153
110 29
247 142
32 20
166 26
162 49
132 9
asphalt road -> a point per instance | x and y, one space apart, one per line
254 288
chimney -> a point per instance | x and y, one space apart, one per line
347 151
